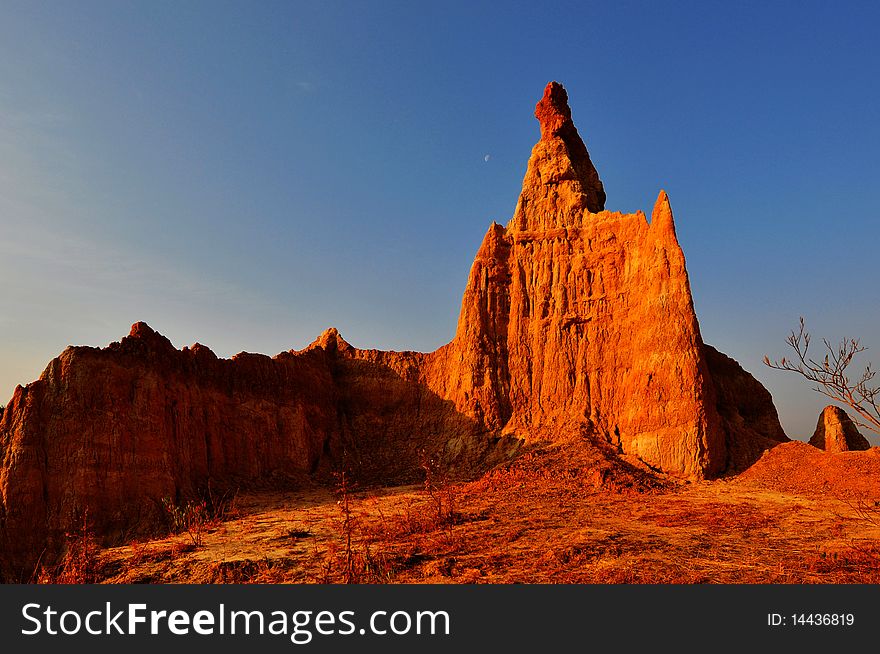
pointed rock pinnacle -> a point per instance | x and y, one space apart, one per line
561 181
661 216
553 112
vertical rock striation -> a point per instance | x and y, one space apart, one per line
586 320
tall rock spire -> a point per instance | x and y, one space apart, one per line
661 216
561 182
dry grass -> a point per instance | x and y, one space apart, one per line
80 561
561 515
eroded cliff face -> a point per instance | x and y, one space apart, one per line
575 321
115 432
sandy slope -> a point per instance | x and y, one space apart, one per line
563 514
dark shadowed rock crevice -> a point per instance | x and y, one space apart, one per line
751 423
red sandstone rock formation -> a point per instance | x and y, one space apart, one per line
116 431
575 321
574 316
835 432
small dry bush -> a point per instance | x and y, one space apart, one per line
190 517
867 510
351 559
80 563
436 510
196 517
864 557
443 495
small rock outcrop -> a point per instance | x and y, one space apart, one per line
575 321
836 432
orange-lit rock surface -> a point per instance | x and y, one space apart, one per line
575 317
116 431
575 321
835 432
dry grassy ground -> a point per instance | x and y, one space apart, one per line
563 514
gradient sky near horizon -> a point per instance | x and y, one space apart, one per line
247 174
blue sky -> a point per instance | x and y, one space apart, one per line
247 174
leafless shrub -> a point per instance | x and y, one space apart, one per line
219 505
190 517
80 562
352 560
196 517
442 492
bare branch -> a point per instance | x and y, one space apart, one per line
829 375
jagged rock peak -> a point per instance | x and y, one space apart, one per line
142 335
201 351
552 111
141 330
836 432
661 216
330 341
561 182
554 114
